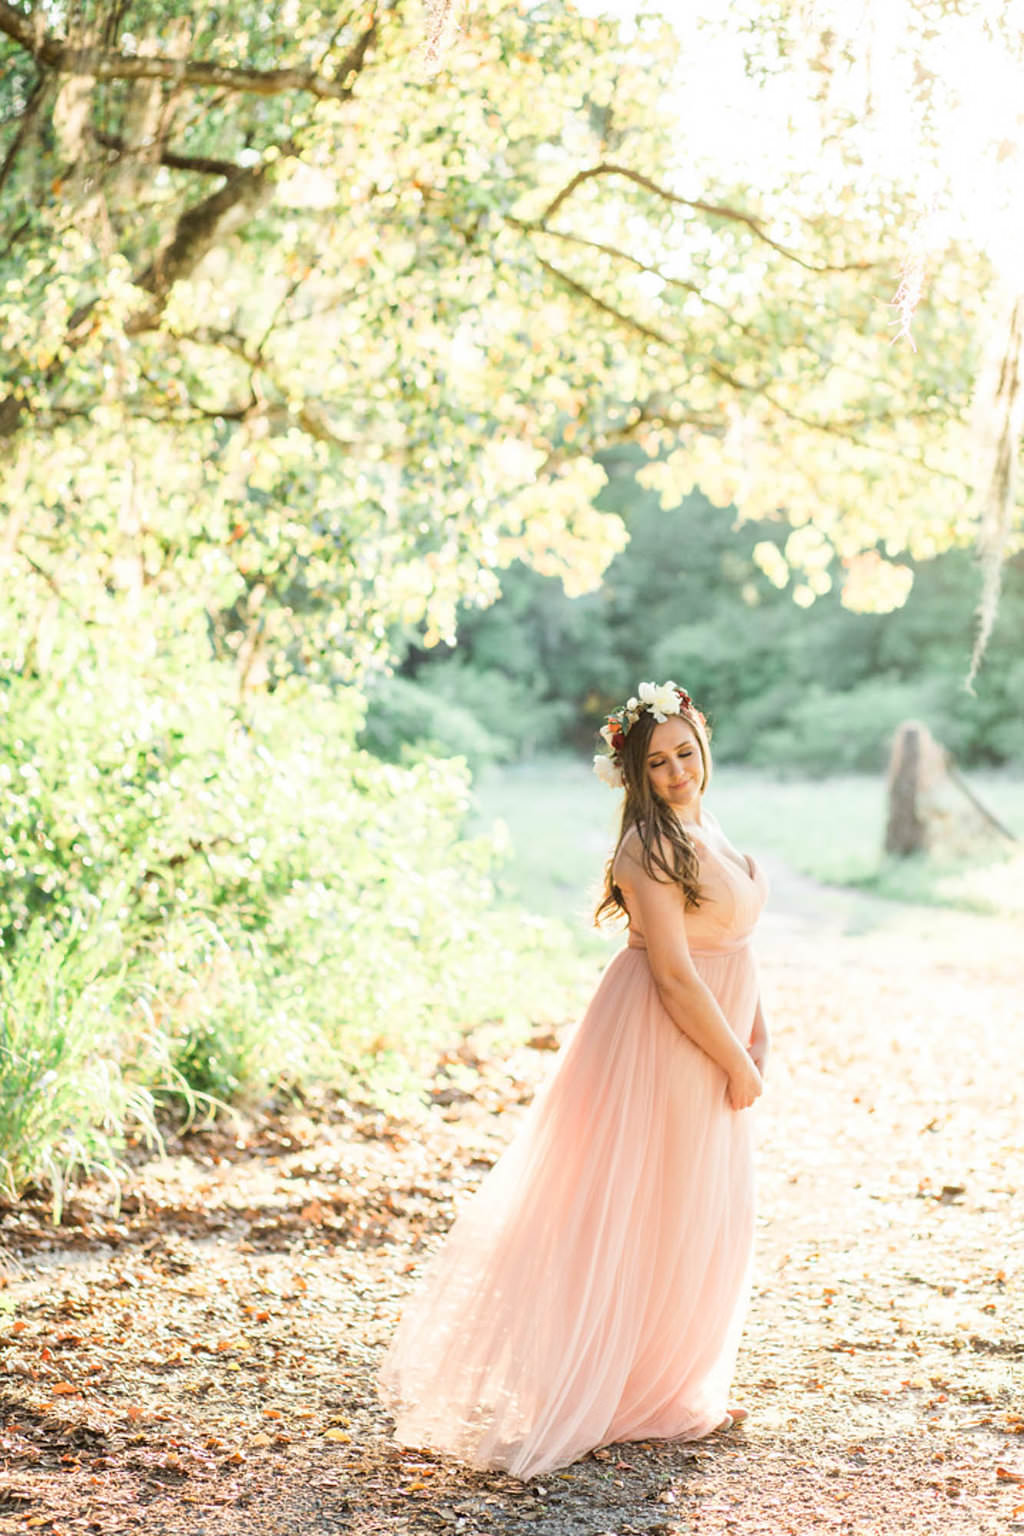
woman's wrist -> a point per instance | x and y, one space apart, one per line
739 1060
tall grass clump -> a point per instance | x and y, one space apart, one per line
66 1098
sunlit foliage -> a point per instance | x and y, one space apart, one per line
320 339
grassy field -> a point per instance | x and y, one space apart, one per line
560 823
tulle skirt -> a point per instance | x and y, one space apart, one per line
593 1290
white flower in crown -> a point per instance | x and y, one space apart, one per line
608 771
662 700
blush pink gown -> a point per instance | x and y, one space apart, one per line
595 1286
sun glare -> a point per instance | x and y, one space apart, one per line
857 95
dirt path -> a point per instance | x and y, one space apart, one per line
201 1363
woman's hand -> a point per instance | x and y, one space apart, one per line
744 1083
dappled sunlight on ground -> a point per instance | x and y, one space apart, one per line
201 1361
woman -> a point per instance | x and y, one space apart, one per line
594 1289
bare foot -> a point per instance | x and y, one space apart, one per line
733 1417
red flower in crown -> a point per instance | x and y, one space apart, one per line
689 705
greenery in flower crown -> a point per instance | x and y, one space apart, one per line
659 699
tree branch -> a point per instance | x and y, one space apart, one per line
201 164
640 266
848 429
211 336
105 64
718 370
200 227
28 117
52 582
713 210
16 235
629 321
196 232
26 31
606 437
568 237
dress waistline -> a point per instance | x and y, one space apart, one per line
732 948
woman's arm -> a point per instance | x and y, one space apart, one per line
689 1002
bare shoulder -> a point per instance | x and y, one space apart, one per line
629 858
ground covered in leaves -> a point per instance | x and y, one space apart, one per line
200 1362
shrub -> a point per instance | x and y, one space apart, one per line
405 719
207 903
825 733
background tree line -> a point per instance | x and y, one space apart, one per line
790 685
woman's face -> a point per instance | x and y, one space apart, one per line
675 768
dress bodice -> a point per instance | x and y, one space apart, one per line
731 901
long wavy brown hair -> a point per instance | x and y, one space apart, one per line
667 853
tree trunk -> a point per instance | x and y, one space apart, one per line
931 809
905 832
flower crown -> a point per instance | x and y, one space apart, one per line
659 699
